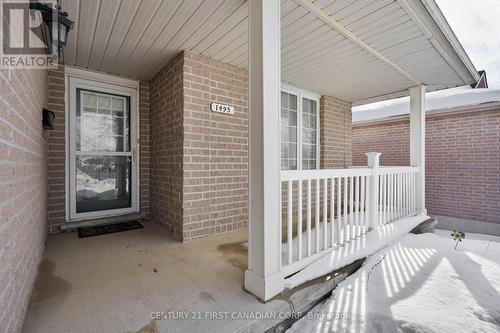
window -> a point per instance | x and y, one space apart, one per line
299 130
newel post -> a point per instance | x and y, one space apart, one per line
373 189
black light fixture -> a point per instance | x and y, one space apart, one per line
64 24
48 119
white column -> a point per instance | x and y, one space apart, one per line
417 142
373 163
263 277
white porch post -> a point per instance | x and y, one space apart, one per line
417 142
263 277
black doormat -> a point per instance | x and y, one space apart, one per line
84 232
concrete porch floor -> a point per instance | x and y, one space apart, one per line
112 283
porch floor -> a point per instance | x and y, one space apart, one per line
112 283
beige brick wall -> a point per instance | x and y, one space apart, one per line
56 149
167 137
335 133
23 94
212 168
56 173
462 160
215 192
144 149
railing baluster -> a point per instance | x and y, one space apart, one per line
346 231
362 206
407 202
379 203
356 208
308 222
340 238
299 220
382 199
332 212
351 208
391 198
325 213
316 217
400 195
289 224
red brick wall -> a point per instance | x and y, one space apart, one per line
462 160
56 149
167 137
23 94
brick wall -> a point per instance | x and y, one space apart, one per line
215 195
335 133
23 94
167 137
210 164
462 160
56 149
144 149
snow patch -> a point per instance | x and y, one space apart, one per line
417 284
436 100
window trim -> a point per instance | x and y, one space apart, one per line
303 93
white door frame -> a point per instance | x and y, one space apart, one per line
88 80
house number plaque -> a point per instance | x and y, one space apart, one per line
221 108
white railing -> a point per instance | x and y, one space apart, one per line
324 209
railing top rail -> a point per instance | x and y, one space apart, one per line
287 175
323 173
397 169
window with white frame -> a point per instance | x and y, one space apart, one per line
299 130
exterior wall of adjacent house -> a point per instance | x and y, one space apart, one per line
462 160
23 162
56 150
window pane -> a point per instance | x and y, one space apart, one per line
102 122
288 131
309 133
292 99
102 182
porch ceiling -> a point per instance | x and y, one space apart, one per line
356 50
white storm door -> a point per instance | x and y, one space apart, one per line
103 167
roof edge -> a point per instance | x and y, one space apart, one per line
450 36
437 112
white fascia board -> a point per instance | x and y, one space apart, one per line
443 26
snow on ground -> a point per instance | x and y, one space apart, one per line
418 283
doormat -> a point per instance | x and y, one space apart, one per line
97 230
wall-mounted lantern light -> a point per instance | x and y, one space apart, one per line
64 24
48 119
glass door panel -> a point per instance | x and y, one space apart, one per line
102 153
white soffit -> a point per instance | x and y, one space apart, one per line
356 50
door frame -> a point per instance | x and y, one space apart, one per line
76 78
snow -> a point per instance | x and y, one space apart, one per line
418 283
436 100
358 248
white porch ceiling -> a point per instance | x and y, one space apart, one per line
355 50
